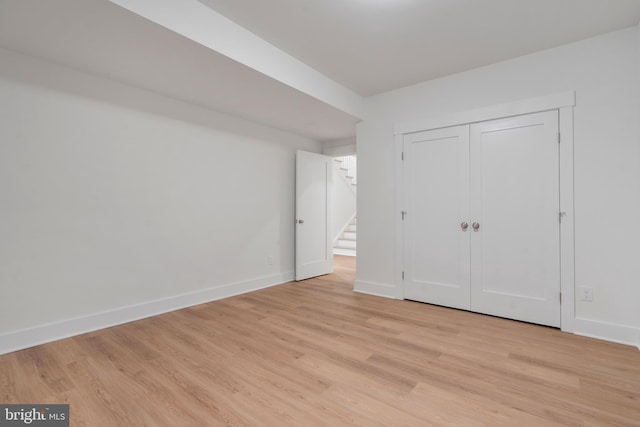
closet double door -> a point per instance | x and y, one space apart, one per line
481 226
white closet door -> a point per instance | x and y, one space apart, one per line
436 247
515 251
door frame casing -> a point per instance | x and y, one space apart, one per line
564 104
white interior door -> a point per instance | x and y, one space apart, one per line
515 232
436 240
313 215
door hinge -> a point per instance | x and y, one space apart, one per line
559 138
404 213
403 275
402 155
560 297
560 215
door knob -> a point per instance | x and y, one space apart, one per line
300 221
464 226
475 226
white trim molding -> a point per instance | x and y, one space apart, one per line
567 227
500 111
621 334
399 207
42 334
377 289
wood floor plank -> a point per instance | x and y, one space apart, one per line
315 353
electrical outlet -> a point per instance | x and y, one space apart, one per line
586 293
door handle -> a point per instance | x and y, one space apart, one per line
464 226
476 226
300 221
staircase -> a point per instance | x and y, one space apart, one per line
346 244
348 169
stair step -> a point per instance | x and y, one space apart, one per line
349 235
346 244
346 252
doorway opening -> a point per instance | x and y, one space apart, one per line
345 220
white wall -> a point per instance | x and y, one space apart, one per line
604 71
116 203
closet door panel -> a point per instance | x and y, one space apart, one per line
515 251
436 247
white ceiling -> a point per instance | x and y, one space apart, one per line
374 46
368 46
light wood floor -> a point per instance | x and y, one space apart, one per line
315 353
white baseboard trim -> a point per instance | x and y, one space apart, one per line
42 334
377 289
620 334
605 331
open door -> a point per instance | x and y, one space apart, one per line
314 255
